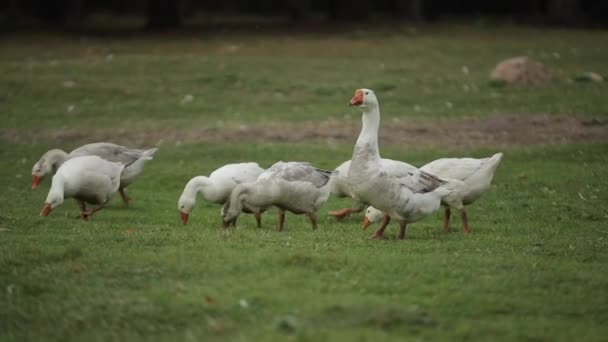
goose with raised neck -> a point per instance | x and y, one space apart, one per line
342 189
407 199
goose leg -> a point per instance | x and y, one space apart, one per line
258 219
281 219
465 221
402 227
93 211
342 213
446 220
313 220
83 210
380 231
125 197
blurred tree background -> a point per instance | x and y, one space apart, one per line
169 14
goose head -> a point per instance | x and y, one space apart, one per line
364 98
48 163
372 215
53 200
229 215
185 206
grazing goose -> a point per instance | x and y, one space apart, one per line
408 198
133 160
456 190
217 187
476 177
88 179
342 189
294 186
476 174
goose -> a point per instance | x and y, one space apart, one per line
408 198
476 174
341 187
456 190
133 160
88 179
297 187
217 187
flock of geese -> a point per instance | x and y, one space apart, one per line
391 190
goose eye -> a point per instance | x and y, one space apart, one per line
367 93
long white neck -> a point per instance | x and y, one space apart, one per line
368 138
57 188
206 187
55 158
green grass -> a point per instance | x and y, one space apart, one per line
534 268
252 79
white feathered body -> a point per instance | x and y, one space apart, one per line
294 186
341 187
217 187
476 175
133 159
87 178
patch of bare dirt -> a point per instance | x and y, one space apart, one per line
497 131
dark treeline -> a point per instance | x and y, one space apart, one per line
163 14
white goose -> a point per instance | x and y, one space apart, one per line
88 179
407 199
294 186
217 187
133 160
342 189
475 176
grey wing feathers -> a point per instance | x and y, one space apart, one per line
110 152
421 182
301 171
324 177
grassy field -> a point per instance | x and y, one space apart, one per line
534 268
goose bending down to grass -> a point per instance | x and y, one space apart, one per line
406 199
290 186
88 179
474 176
342 189
217 187
132 159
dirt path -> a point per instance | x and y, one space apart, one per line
496 131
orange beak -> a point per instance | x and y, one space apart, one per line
184 217
357 99
35 181
46 210
366 223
